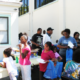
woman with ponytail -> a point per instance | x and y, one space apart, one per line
47 54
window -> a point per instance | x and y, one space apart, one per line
24 8
4 37
39 3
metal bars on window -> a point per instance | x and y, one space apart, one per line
24 8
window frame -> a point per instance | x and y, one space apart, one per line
6 30
35 3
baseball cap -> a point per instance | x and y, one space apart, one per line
49 29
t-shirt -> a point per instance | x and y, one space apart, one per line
56 55
46 38
26 60
37 38
64 42
10 65
46 56
29 39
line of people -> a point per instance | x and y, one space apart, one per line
47 51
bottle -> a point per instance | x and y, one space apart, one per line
16 59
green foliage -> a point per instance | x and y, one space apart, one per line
24 9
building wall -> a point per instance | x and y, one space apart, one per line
43 17
59 15
73 15
24 23
9 11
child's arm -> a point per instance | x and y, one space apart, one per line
3 65
59 58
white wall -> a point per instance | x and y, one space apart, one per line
9 10
43 17
24 23
59 15
73 15
47 16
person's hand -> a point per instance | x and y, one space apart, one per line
46 61
37 45
74 47
20 46
79 45
0 64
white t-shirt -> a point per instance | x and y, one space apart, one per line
10 65
29 39
46 38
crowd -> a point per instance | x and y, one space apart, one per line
49 52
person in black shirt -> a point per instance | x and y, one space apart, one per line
37 41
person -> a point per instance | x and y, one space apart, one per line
44 32
62 32
47 54
37 41
57 56
24 60
76 36
20 34
63 44
72 68
29 38
47 36
9 64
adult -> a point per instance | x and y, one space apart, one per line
44 32
47 36
29 38
24 60
62 32
72 68
63 44
37 41
76 36
20 34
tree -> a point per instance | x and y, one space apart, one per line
24 9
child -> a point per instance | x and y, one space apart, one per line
9 64
57 56
24 60
47 54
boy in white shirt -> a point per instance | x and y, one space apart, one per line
9 64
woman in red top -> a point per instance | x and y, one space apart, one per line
47 54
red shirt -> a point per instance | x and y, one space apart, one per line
46 56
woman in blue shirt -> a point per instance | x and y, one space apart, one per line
63 44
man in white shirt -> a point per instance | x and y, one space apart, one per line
47 36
